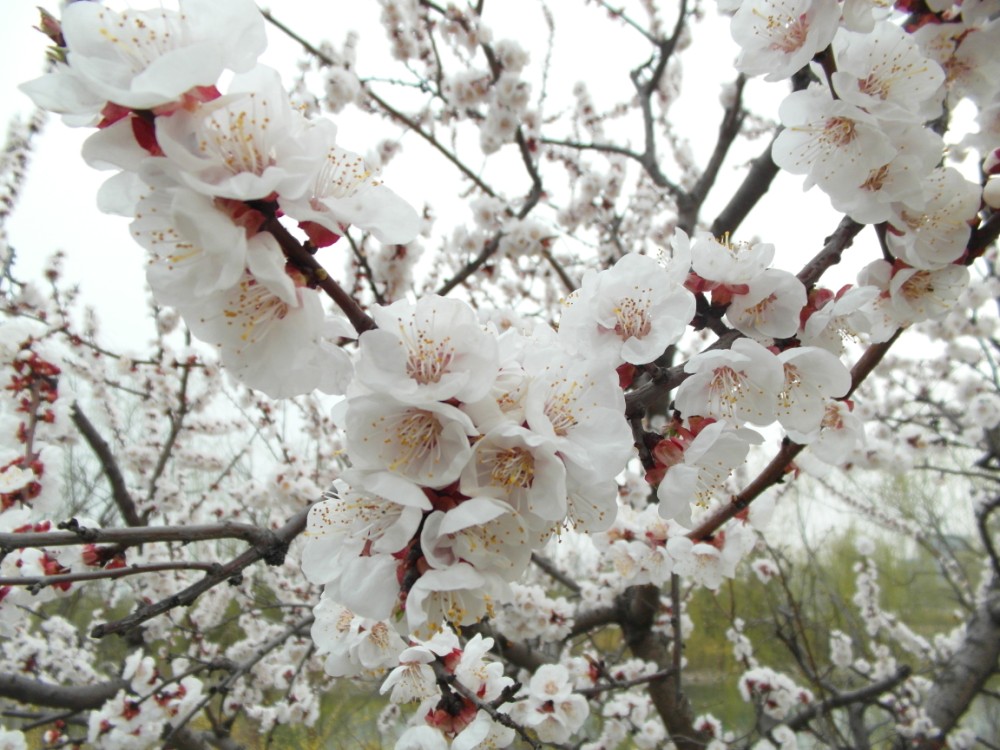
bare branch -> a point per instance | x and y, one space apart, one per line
36 583
273 554
553 572
729 128
982 523
75 697
833 248
863 695
119 490
130 537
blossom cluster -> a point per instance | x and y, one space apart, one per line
863 133
470 448
207 176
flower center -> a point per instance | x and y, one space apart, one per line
137 41
726 390
253 309
796 31
238 135
839 131
417 432
428 359
559 409
341 176
513 468
633 318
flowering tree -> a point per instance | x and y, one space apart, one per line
553 420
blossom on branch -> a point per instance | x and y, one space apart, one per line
144 59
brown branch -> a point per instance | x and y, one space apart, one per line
39 582
638 608
76 697
775 471
834 246
119 491
550 569
595 618
758 181
302 259
272 553
755 185
134 536
800 721
732 120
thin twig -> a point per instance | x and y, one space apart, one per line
40 582
273 554
553 572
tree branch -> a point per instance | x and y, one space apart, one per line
272 553
775 471
965 674
131 537
119 490
75 697
801 720
638 608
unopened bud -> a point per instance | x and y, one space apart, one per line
51 27
991 165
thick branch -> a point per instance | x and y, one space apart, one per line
801 720
841 239
966 672
755 185
758 181
639 605
135 536
729 128
74 697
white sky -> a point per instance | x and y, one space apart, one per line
57 210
